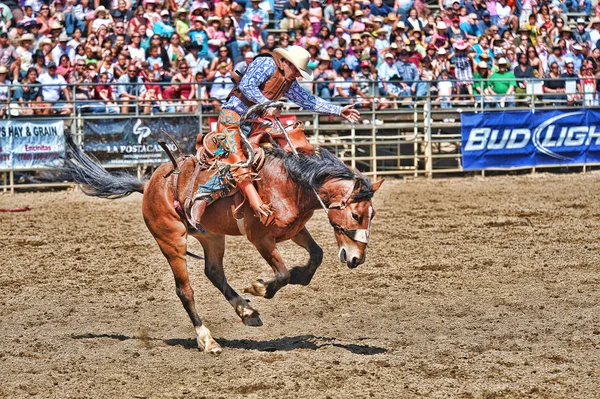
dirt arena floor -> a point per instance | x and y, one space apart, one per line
473 288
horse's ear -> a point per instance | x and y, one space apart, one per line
377 184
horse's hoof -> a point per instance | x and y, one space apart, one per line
252 321
258 288
214 349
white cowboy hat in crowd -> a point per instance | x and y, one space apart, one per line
299 57
100 9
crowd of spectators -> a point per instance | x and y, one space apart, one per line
106 56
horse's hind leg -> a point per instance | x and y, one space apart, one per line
214 250
171 236
303 274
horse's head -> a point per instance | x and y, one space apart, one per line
350 212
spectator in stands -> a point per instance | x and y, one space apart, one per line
55 90
222 58
463 69
445 89
587 86
29 95
255 11
581 35
4 90
294 12
240 67
129 88
222 83
9 57
25 53
554 87
569 75
409 74
557 57
503 85
523 72
197 64
183 83
481 86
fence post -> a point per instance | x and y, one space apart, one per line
12 182
428 144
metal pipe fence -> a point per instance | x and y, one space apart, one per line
414 137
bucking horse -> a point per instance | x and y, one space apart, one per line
294 184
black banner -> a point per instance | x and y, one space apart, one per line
135 141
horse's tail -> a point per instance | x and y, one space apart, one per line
93 178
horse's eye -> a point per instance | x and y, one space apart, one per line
355 216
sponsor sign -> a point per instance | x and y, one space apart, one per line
135 141
527 139
31 144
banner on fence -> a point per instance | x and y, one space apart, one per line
31 145
527 139
135 141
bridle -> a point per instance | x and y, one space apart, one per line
358 235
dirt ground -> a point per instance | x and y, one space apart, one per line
473 288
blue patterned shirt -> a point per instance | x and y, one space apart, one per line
261 69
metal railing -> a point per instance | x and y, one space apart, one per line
415 138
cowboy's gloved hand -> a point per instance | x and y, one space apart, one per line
265 214
350 114
273 112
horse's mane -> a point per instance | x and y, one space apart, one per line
312 171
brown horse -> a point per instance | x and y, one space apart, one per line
294 185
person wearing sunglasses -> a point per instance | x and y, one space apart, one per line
130 88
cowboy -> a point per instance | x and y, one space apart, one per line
269 76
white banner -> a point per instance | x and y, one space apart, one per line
32 144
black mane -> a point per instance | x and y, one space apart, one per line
312 171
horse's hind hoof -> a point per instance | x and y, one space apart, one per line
252 321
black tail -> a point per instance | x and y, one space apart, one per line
93 178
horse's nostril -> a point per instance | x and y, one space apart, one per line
342 255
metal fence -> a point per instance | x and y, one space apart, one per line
415 137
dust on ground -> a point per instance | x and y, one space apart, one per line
473 288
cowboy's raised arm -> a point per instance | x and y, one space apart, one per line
313 103
258 72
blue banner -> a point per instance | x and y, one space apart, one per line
31 144
527 139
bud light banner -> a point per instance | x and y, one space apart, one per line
121 142
527 139
31 144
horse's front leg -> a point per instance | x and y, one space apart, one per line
268 249
303 274
214 250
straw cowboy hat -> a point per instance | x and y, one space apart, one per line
325 57
299 58
441 25
179 12
380 31
46 41
56 26
346 10
482 65
213 19
100 9
27 36
3 69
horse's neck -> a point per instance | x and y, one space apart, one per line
332 191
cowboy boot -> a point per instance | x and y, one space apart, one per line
196 211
